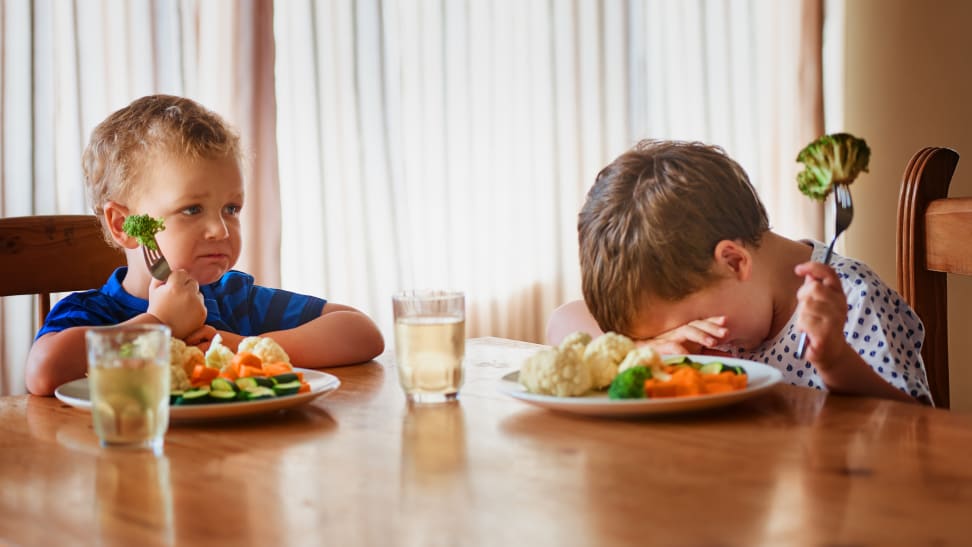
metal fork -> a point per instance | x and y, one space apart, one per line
158 266
844 214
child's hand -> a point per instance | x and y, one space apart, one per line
201 337
822 313
689 338
178 303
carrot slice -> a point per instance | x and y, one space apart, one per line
718 387
304 388
280 367
201 375
246 359
246 372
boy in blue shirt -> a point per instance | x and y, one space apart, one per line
170 158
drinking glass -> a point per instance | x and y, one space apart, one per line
128 379
430 343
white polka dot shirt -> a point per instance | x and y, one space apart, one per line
883 329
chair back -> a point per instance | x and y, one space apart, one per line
934 239
41 255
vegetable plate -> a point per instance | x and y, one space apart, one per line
77 395
597 403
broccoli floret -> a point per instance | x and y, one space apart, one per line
143 228
831 159
630 383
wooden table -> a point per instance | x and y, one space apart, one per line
359 467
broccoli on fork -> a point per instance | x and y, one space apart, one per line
832 159
143 228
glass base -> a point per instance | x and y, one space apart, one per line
152 445
431 398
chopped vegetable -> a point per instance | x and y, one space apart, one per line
831 159
143 228
604 354
629 383
556 372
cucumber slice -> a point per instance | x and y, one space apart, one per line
677 360
263 381
246 383
222 395
256 393
287 388
195 396
222 384
285 378
174 396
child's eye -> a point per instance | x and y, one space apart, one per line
233 210
192 210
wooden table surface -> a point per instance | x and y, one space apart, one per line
792 466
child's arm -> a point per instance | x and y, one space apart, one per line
822 314
342 335
570 318
694 337
60 357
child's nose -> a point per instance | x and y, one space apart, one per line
216 228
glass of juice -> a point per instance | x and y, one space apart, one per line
430 343
128 381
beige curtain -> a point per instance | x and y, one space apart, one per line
67 65
451 143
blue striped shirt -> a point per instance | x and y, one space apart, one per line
233 304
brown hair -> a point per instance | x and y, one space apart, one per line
125 142
651 223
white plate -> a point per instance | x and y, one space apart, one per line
76 394
596 403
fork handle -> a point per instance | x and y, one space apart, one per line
802 346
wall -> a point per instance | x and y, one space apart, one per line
908 84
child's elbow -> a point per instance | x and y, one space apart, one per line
373 344
38 380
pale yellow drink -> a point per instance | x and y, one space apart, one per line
128 382
429 352
130 402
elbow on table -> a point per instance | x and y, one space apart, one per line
50 363
38 380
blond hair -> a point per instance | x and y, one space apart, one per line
652 220
127 140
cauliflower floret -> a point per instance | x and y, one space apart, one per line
578 338
643 357
179 381
268 350
555 372
185 357
218 355
604 354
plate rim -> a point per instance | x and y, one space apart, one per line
322 383
597 403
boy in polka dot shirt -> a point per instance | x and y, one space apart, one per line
676 253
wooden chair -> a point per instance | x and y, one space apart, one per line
48 254
934 239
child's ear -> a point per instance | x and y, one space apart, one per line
733 258
115 214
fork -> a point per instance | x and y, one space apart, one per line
158 266
844 213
